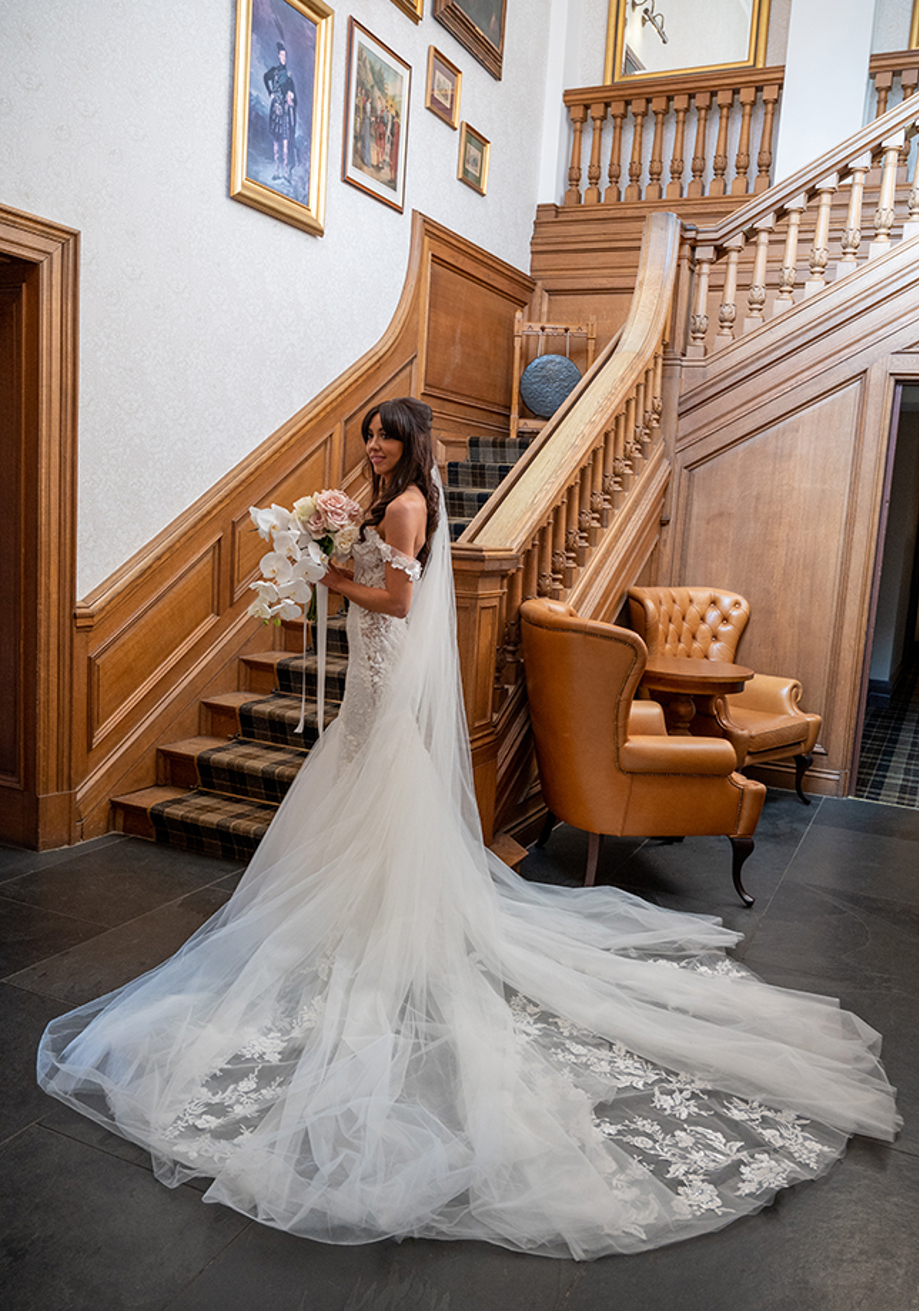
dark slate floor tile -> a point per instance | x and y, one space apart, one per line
82 1229
870 817
842 1243
563 860
263 1268
121 954
854 861
29 934
16 861
112 884
23 1016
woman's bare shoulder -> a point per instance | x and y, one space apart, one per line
405 519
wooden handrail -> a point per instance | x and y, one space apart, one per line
538 482
646 87
806 181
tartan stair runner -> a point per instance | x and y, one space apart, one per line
220 792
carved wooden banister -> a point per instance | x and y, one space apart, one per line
646 124
776 270
578 516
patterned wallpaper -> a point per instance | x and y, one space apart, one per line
204 323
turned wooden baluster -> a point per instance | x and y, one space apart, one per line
583 494
609 477
908 80
789 272
614 173
740 186
619 469
578 115
702 101
882 84
852 234
820 251
720 162
596 495
639 109
559 558
656 167
884 215
512 625
698 323
677 163
545 582
756 296
530 570
911 226
657 398
764 158
727 310
598 116
571 534
638 431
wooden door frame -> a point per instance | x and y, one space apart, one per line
46 804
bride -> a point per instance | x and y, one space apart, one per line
385 1032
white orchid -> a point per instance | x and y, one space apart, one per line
271 520
276 567
261 610
287 543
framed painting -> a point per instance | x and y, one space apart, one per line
646 38
281 87
414 8
474 152
442 93
376 118
479 26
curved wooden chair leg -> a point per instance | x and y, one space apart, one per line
593 858
802 765
546 832
741 849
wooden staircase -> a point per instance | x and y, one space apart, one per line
218 791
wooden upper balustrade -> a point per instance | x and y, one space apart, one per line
712 132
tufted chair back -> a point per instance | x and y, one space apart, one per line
700 622
581 677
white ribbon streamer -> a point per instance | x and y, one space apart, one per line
322 618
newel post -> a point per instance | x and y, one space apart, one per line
481 580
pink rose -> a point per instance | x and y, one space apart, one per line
335 511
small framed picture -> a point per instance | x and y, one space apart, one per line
474 150
281 109
376 118
442 94
414 8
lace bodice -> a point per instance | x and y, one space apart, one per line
374 641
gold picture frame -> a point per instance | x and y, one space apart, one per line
281 91
474 158
414 8
479 25
748 51
375 132
443 88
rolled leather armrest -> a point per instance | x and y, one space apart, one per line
651 754
647 717
769 693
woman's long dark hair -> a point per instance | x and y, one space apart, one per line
409 421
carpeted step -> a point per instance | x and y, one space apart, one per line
497 450
252 771
273 719
211 824
476 474
290 673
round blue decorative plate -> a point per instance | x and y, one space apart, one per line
546 382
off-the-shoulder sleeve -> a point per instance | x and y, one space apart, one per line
408 563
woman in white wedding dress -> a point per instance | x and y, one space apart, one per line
386 1033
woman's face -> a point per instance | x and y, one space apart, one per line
383 452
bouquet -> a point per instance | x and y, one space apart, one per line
304 539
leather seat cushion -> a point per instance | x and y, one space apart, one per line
769 732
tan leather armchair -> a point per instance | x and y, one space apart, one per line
607 770
763 722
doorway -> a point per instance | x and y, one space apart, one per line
888 764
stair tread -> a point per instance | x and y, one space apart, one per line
190 746
144 798
232 700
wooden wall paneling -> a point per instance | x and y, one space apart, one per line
779 467
129 664
193 607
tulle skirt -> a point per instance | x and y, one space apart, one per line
386 1032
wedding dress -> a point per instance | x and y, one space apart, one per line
386 1032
